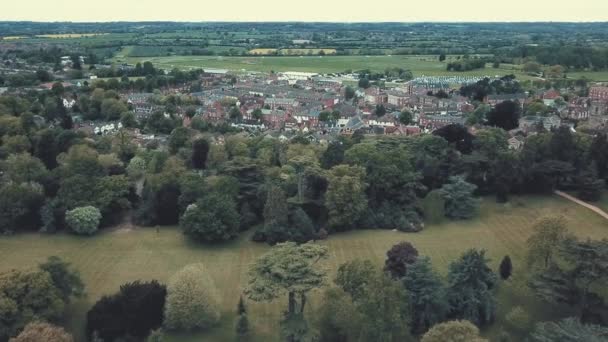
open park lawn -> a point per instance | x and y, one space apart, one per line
117 256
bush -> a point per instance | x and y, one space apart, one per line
42 332
83 220
453 331
391 216
214 218
192 300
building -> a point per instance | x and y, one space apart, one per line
598 93
493 100
438 121
284 103
515 143
397 99
529 123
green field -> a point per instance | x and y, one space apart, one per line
419 65
120 255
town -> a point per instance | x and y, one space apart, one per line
319 107
303 182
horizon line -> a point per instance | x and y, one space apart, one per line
306 21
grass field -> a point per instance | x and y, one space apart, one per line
115 257
419 65
70 35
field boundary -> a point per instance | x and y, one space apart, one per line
582 203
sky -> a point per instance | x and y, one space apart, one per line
306 10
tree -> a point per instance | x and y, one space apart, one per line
235 114
178 139
459 200
338 319
292 269
83 220
399 258
506 268
384 310
128 120
111 109
324 116
478 116
136 168
453 331
58 89
67 281
532 67
426 296
275 207
573 276
242 326
458 136
19 206
406 117
470 290
378 301
192 300
380 110
200 151
25 297
42 331
353 277
133 312
257 114
23 168
345 197
364 83
505 115
589 186
333 155
547 234
349 93
213 218
568 330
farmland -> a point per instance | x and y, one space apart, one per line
419 65
121 255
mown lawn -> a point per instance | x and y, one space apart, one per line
114 257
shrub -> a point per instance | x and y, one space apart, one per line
214 218
42 332
192 300
83 220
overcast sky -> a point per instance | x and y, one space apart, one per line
307 10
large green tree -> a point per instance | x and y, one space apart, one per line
460 202
345 198
569 330
573 276
470 288
426 296
26 297
289 269
547 234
